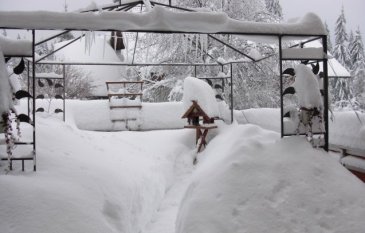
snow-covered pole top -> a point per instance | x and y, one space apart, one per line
158 19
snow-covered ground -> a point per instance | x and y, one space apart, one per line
346 128
92 181
246 180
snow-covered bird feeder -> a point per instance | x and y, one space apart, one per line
201 108
195 114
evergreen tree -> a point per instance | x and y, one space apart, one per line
349 48
358 68
329 42
274 7
340 52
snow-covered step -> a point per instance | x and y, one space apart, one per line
124 114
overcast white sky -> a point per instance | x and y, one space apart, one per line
328 10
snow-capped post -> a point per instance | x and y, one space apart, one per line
310 102
201 109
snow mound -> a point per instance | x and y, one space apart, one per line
248 180
96 115
90 181
307 87
346 130
200 91
362 132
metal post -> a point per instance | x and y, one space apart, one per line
222 79
230 67
281 86
34 103
325 94
195 71
64 92
28 72
135 46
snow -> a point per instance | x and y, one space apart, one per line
11 47
200 91
344 130
14 82
91 181
354 163
335 69
248 180
6 102
307 88
362 132
303 53
158 19
99 51
96 115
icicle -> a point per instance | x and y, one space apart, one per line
148 48
186 46
201 47
104 43
86 41
115 40
190 42
172 41
126 46
93 37
196 45
206 43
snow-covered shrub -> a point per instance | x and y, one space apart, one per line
6 108
309 112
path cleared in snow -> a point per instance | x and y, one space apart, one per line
164 219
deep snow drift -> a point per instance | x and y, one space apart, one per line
248 180
91 181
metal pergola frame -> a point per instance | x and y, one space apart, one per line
131 5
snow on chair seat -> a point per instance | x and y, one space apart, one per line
356 165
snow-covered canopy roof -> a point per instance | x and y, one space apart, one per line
158 19
335 69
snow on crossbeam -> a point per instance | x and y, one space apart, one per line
158 19
12 47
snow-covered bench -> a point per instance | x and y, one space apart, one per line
352 159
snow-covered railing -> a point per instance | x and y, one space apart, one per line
158 19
